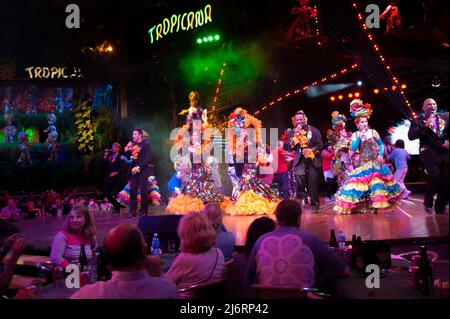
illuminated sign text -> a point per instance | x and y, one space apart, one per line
185 21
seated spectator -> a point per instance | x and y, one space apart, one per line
15 244
56 209
238 287
81 201
106 206
257 228
199 261
291 257
49 202
93 206
224 239
31 211
69 203
77 229
10 212
125 251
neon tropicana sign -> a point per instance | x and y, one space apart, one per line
185 21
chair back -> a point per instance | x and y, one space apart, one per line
213 289
277 292
227 265
285 261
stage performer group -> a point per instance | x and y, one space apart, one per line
353 164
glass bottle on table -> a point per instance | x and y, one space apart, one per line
83 260
425 273
341 239
333 242
59 276
156 246
341 243
359 257
82 264
353 253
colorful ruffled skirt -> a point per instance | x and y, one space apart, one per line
254 197
367 187
198 191
154 195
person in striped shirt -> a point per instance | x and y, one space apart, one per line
77 229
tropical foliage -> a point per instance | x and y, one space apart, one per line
84 125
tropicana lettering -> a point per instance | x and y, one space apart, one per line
185 21
36 72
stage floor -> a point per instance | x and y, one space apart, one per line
407 221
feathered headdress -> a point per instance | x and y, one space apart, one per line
338 121
23 136
51 119
360 109
241 119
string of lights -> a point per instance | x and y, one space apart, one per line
395 81
262 90
304 88
218 86
316 18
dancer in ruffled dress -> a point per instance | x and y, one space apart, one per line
251 195
199 188
370 185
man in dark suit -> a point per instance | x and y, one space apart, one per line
140 170
307 170
116 169
432 131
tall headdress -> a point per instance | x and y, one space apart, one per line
360 109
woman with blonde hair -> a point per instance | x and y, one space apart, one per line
77 231
199 261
